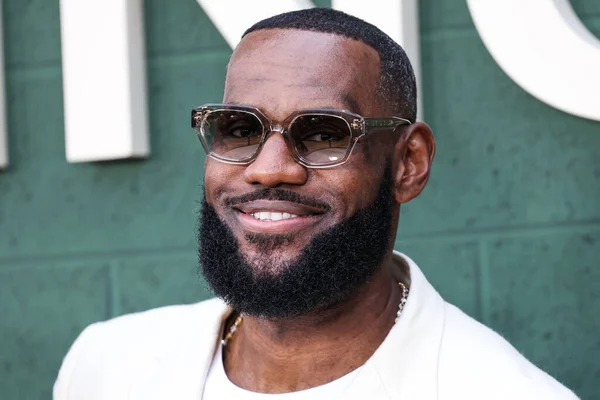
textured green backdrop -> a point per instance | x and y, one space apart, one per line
508 228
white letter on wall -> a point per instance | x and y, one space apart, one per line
544 47
233 17
104 83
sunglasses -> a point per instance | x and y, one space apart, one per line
317 138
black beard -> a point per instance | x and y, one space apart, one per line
327 271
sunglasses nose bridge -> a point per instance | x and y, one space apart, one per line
283 131
276 127
279 128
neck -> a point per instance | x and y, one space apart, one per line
285 355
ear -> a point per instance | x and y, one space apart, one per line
412 158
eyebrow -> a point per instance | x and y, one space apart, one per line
347 99
352 103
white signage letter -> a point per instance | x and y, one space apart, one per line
233 17
104 83
544 47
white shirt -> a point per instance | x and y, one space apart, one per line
219 387
434 352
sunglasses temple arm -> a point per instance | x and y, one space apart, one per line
375 124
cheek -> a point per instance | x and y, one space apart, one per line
353 189
217 177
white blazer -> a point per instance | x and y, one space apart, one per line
434 352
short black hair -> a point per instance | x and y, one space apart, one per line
396 77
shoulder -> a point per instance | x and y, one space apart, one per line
106 352
157 327
160 321
476 362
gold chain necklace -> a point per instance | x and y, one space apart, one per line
239 319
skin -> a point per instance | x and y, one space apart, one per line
280 71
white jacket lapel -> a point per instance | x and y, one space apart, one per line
405 366
181 374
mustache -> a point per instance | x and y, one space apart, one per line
277 194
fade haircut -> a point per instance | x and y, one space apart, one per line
397 84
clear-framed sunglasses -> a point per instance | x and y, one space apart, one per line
317 138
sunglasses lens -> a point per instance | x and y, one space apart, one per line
321 139
231 134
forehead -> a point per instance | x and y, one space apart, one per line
280 71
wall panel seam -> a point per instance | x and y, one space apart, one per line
114 291
505 231
41 260
483 281
19 261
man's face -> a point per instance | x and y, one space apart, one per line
343 216
279 72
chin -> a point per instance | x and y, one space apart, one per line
269 262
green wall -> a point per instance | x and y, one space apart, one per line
508 228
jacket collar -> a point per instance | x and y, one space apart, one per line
180 371
404 365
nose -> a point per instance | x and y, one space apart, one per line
275 165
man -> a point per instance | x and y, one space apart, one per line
310 156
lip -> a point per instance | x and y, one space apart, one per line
306 216
278 206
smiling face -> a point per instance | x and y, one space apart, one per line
279 72
278 239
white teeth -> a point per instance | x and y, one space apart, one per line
276 216
272 215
